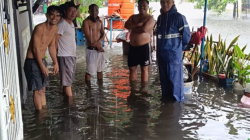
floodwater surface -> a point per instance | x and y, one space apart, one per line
112 110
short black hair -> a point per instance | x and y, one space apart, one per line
92 6
143 0
64 7
53 8
70 4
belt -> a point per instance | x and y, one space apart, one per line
92 48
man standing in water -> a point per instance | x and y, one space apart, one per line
94 32
141 26
173 35
67 47
35 64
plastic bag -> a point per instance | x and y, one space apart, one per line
123 36
185 74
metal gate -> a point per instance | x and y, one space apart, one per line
11 126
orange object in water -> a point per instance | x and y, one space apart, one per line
125 8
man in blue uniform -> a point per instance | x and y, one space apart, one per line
173 35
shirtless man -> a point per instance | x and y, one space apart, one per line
35 64
141 27
94 32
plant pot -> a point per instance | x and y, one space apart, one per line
226 82
188 87
238 88
211 77
188 90
194 71
205 67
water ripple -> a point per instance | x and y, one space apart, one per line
115 111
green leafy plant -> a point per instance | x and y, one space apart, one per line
151 11
220 56
57 2
196 57
248 79
79 20
83 9
210 54
225 57
241 65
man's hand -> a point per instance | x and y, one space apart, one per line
97 44
45 71
56 69
100 49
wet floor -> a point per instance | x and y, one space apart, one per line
112 111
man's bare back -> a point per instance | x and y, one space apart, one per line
137 37
42 38
93 31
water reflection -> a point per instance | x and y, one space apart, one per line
117 109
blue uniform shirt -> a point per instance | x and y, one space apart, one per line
173 35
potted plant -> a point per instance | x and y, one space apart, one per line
195 60
210 55
241 65
225 65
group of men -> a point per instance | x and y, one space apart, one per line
58 35
173 35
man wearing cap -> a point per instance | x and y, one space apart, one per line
67 47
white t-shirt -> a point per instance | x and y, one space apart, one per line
67 42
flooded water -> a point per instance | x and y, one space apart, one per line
111 110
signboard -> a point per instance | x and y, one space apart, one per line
125 8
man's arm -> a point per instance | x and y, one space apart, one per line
185 32
101 32
98 43
52 53
129 24
36 44
86 31
147 26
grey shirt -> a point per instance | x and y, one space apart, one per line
67 42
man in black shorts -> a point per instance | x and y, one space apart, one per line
141 26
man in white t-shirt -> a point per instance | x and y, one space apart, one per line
67 47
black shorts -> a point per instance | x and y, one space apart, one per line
35 78
139 55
